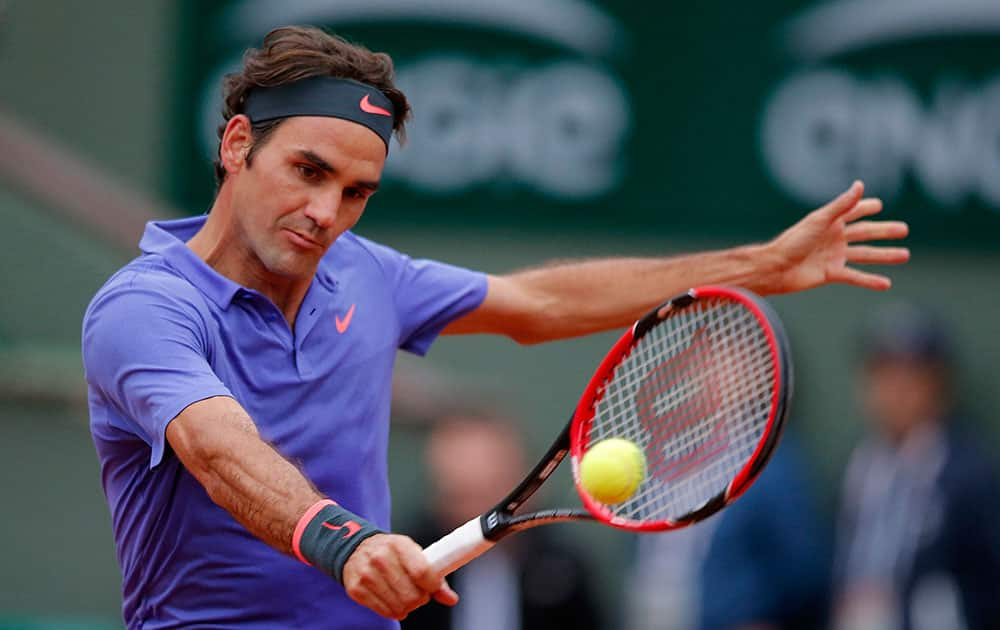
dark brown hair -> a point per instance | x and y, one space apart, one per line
293 53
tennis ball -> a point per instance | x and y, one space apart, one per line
612 469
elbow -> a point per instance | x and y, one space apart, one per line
221 477
525 312
538 323
212 438
202 455
208 472
527 338
205 464
549 328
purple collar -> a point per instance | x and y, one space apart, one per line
169 240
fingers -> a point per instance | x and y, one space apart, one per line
392 577
861 279
864 208
445 595
378 604
396 585
366 589
424 576
371 581
871 254
418 569
844 202
876 231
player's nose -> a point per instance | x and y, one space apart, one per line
323 209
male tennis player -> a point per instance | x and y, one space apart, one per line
239 369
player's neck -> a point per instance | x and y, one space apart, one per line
223 250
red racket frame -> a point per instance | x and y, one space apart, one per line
781 395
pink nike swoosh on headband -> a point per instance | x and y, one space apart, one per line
373 109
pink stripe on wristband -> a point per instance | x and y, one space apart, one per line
300 527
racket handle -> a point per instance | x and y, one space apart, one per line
458 548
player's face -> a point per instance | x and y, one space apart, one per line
306 185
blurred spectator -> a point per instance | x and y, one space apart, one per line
761 563
918 546
529 581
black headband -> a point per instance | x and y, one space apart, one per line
324 96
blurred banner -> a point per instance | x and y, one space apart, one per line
721 119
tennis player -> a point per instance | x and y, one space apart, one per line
239 369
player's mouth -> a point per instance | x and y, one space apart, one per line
303 242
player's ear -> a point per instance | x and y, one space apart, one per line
236 142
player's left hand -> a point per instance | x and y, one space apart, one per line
817 250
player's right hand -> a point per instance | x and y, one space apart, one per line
389 574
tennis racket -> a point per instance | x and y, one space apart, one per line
702 384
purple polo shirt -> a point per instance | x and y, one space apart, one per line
167 331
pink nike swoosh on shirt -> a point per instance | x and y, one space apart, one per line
373 109
343 324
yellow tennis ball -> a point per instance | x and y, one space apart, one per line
612 469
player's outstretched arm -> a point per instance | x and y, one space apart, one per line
576 298
218 443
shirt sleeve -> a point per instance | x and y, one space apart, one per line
145 353
428 295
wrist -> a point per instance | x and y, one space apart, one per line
326 536
768 268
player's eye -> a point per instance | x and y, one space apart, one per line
355 193
307 172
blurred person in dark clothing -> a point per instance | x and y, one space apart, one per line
919 539
760 564
531 581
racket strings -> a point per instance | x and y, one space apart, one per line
695 393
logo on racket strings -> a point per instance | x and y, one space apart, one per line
673 402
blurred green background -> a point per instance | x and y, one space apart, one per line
613 128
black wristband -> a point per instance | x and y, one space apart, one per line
327 535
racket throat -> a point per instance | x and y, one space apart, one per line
498 524
495 525
556 453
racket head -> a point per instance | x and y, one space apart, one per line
702 384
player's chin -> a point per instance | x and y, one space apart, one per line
294 265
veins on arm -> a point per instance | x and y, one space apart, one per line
562 300
219 444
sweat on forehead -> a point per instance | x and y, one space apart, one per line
324 96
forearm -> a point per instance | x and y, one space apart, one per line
567 300
244 475
579 298
218 443
263 491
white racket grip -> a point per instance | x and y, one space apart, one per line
458 548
